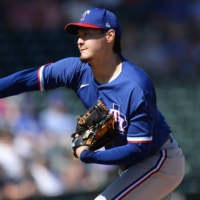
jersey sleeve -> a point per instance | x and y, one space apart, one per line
140 129
124 155
22 81
64 73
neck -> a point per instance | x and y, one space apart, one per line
106 69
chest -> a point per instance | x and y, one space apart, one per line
116 102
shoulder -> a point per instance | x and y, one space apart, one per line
67 72
68 65
71 62
138 78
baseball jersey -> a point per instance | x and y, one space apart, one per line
130 97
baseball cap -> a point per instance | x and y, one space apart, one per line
97 18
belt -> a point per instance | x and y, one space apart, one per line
171 138
123 167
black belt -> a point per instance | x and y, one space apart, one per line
171 138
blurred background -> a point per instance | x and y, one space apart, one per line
161 37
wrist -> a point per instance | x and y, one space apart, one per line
80 150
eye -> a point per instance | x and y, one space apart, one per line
83 33
86 33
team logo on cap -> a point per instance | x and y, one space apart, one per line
84 14
108 25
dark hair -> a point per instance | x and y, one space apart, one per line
117 44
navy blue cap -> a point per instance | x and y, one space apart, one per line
97 18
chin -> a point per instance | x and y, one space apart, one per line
85 59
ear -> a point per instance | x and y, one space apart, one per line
110 36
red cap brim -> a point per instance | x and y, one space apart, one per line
73 27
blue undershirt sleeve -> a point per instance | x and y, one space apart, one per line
23 81
124 155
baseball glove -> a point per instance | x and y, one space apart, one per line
95 128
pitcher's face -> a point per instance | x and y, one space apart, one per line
91 43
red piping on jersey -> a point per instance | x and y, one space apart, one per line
39 78
142 141
39 86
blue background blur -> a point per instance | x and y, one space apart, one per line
161 37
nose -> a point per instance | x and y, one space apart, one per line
80 41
